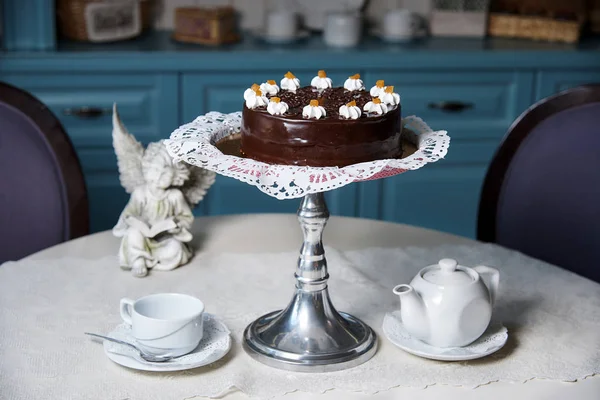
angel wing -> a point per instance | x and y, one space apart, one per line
195 187
129 154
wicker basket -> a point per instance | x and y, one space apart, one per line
547 20
536 28
211 26
73 23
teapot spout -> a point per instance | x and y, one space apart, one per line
413 311
491 278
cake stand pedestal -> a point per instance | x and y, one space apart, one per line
310 334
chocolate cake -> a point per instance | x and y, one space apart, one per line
320 125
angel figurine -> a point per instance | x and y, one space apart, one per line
155 225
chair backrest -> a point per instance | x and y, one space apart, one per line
541 195
43 197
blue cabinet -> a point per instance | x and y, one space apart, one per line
148 105
159 85
445 195
27 24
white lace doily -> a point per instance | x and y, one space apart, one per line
195 143
215 343
490 341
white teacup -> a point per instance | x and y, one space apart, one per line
165 323
401 24
343 29
281 25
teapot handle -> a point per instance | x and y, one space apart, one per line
491 278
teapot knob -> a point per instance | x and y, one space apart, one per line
448 265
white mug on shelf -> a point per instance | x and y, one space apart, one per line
401 24
281 25
342 29
165 323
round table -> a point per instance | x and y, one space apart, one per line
280 232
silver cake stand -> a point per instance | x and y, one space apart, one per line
309 334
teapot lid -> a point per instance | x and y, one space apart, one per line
447 272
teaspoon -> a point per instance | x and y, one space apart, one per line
143 355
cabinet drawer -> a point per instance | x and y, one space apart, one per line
551 82
148 103
445 199
492 99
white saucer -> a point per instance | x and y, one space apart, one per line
406 39
215 344
490 342
261 34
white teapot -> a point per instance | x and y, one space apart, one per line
448 305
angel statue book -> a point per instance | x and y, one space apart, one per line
150 232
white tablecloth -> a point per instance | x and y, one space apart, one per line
47 301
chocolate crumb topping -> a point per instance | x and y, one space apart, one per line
331 99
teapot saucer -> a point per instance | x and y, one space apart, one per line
215 344
492 340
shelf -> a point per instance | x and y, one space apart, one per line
156 50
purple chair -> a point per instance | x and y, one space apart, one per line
43 198
541 195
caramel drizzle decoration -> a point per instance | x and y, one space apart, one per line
255 87
351 104
380 83
271 82
376 100
289 75
321 74
389 89
355 76
314 103
275 99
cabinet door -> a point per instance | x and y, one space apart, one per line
552 82
444 198
148 105
223 92
445 195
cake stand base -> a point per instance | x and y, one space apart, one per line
310 335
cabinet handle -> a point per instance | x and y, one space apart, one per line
451 106
87 112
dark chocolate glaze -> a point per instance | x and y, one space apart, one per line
291 139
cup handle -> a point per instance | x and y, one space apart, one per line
417 23
125 309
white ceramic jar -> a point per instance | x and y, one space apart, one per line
343 29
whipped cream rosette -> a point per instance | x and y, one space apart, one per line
350 111
313 110
321 81
254 97
375 106
290 82
269 88
354 83
378 89
251 91
277 107
389 97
